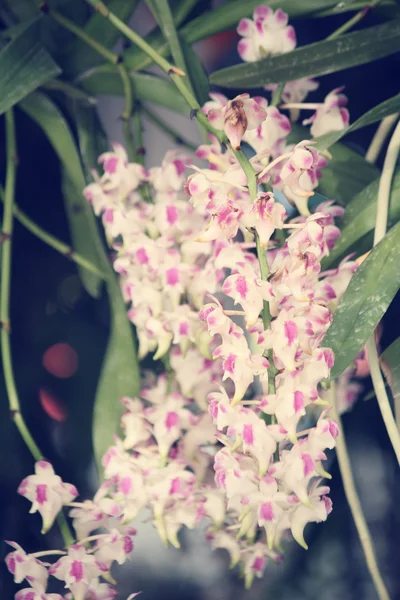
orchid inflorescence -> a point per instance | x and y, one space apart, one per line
227 290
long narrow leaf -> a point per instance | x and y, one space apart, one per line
81 220
359 220
166 22
365 301
315 59
120 372
379 112
24 66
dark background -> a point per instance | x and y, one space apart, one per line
49 305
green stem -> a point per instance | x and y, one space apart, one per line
354 502
52 241
138 135
353 21
277 94
5 281
266 318
176 138
81 33
127 112
102 9
114 59
176 76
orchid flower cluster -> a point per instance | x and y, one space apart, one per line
227 291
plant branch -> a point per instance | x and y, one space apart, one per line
52 241
354 20
176 76
5 327
354 502
111 57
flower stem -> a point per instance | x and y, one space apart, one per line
354 503
277 94
52 241
380 231
354 20
138 135
5 329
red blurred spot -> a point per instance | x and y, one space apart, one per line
52 406
60 360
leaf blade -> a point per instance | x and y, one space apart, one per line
81 219
379 112
359 220
319 58
120 358
365 301
148 88
25 65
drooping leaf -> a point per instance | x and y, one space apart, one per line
359 220
371 290
119 377
148 88
24 66
78 56
80 216
379 112
319 58
120 372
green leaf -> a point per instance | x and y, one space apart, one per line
136 60
78 56
162 12
346 175
370 291
24 66
80 216
120 371
359 220
119 377
390 363
92 140
379 112
197 74
319 58
148 88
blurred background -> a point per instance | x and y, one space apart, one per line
59 336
